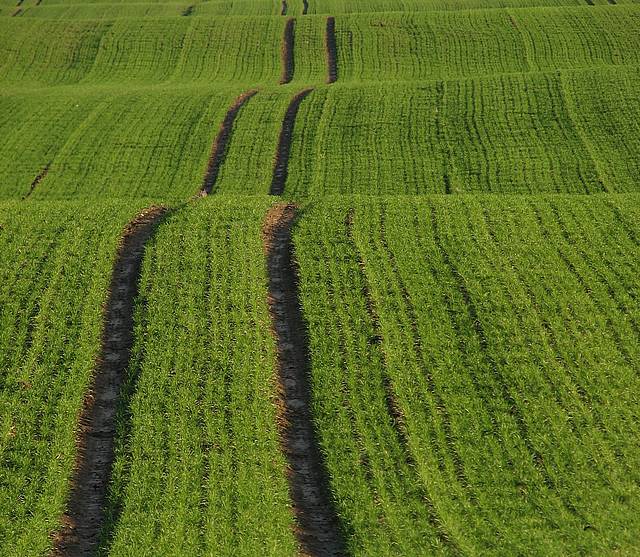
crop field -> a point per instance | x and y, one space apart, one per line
319 278
198 457
57 260
475 371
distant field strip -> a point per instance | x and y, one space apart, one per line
198 464
57 261
133 144
364 47
567 132
575 132
475 364
104 10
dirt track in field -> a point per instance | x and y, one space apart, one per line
83 521
317 529
305 7
221 142
38 179
331 49
281 164
283 7
286 52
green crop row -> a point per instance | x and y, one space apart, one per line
475 365
55 270
198 467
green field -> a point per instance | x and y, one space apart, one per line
466 352
466 187
56 265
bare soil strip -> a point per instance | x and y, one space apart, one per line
286 52
280 167
332 53
305 7
38 179
82 523
221 142
283 9
318 530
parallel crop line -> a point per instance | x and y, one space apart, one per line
395 412
584 401
318 532
481 335
82 523
583 283
280 167
415 332
221 143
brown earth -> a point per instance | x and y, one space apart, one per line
318 529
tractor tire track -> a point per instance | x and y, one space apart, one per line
331 50
280 167
83 521
221 142
318 528
283 7
305 7
38 179
286 52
